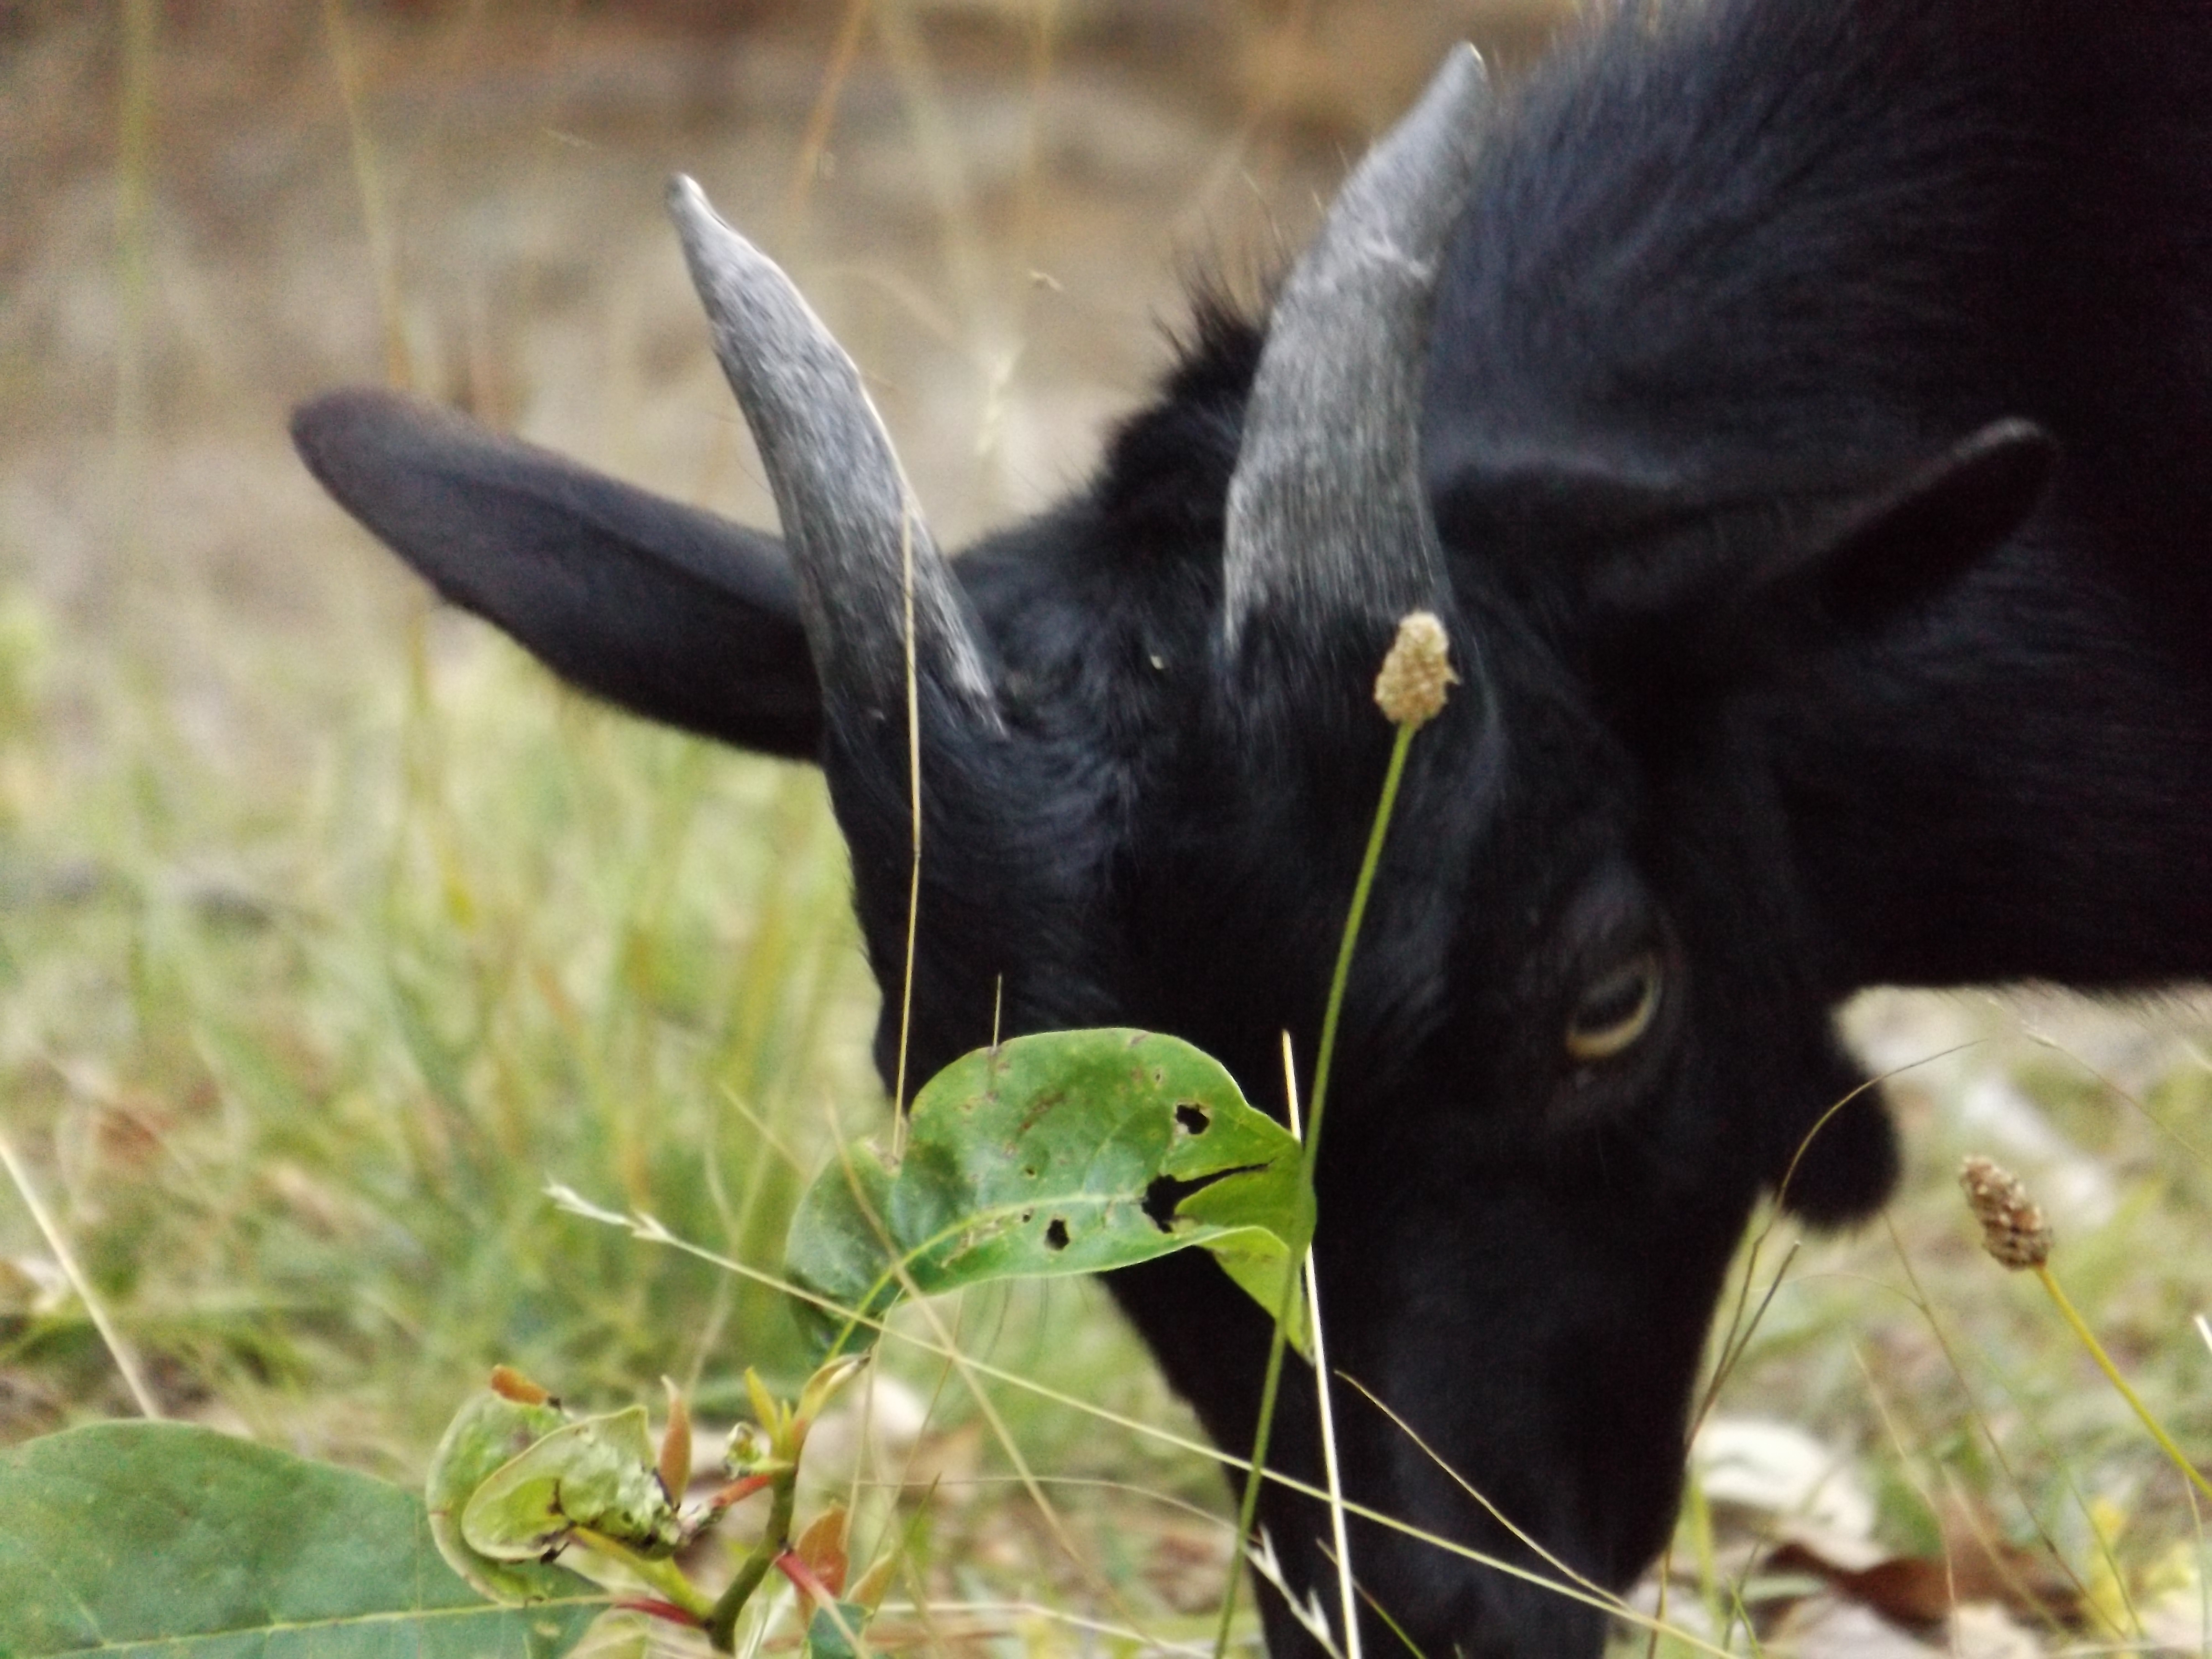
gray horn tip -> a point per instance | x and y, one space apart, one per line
710 242
1324 520
697 221
724 266
1459 89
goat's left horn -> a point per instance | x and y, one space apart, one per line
850 518
1328 515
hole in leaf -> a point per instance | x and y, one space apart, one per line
1055 1236
1191 1118
1166 1191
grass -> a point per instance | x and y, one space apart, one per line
331 930
314 1114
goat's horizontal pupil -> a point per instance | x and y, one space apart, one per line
1614 998
1615 1009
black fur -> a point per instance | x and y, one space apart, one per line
1819 419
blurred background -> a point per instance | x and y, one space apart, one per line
331 930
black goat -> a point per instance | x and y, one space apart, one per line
1800 414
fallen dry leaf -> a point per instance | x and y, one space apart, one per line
1920 1592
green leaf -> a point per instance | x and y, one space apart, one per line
599 1473
828 1636
1066 1153
121 1536
487 1434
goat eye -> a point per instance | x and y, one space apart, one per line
1616 1009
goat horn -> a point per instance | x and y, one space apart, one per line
1328 515
850 518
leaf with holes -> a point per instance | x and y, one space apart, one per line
143 1536
1066 1153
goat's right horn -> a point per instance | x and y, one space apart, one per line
1328 514
850 518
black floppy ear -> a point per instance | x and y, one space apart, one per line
673 613
1681 578
1884 551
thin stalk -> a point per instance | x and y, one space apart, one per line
907 517
816 143
134 167
1527 1540
1360 890
126 1361
967 1371
722 1622
1347 1595
375 221
646 1228
1917 1298
2088 1337
1309 1150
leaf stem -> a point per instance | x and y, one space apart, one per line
1272 1383
722 1621
665 1576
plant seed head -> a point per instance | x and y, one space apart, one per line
2013 1227
1410 689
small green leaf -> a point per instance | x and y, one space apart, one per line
829 1636
599 1472
489 1433
1070 1152
122 1535
822 1388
